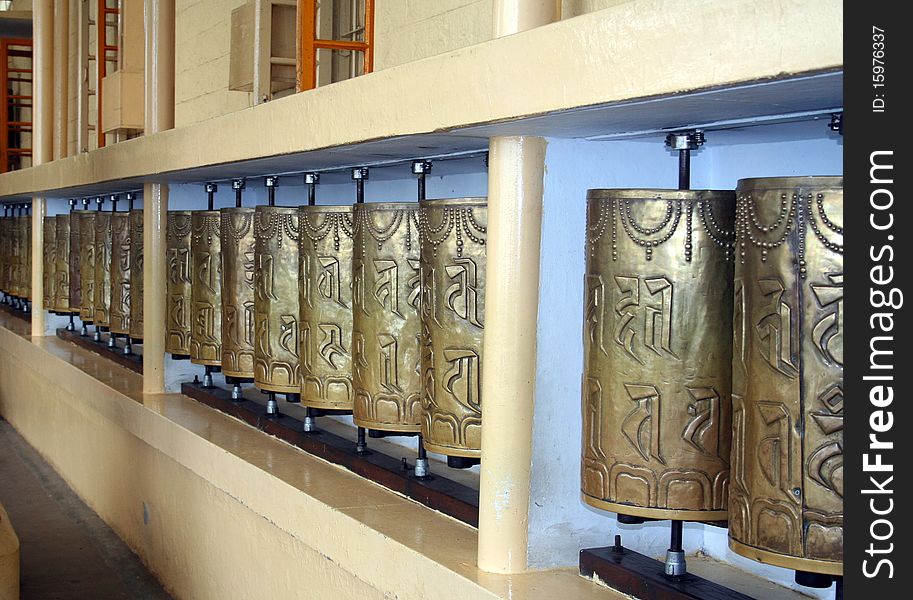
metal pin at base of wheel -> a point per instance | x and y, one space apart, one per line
453 237
657 350
788 374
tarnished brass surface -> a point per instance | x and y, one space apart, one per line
25 255
120 269
61 300
136 274
453 238
179 282
326 306
786 501
276 367
14 267
87 265
206 290
657 348
49 260
73 266
386 333
237 237
120 273
5 253
102 269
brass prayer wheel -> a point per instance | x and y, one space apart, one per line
276 367
15 259
5 253
119 308
87 265
206 290
786 498
136 274
326 306
61 301
386 333
237 238
102 269
177 339
49 259
453 253
657 349
25 255
73 265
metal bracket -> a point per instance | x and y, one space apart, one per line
836 123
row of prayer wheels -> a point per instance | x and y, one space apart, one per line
374 309
16 254
713 334
713 352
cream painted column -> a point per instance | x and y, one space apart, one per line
42 143
516 168
159 27
61 76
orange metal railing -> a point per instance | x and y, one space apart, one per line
15 103
309 44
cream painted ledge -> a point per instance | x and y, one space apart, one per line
220 510
451 102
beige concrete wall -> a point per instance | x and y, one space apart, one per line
408 30
202 46
218 510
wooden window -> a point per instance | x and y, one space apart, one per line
16 101
335 41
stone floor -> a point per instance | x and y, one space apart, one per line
67 551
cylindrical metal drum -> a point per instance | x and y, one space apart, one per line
237 237
387 327
61 300
657 347
177 325
326 306
136 274
73 270
25 254
276 367
453 310
15 262
206 290
87 265
786 501
5 239
120 273
49 259
102 269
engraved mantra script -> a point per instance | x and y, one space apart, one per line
644 305
641 427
